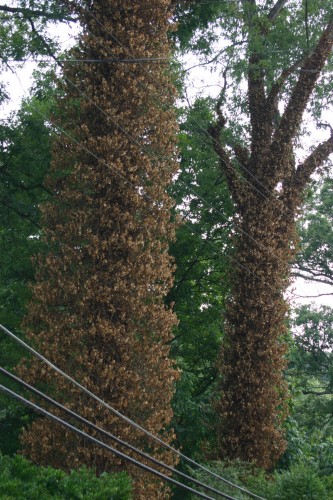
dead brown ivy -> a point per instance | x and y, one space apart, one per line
253 401
98 304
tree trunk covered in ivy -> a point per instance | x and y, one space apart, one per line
266 185
98 306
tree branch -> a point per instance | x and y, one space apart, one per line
235 183
311 296
279 83
313 161
44 42
26 12
21 214
309 74
242 155
315 393
275 11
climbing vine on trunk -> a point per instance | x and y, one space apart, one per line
98 305
266 183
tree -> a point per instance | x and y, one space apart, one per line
315 258
266 182
23 31
97 309
201 282
310 375
24 161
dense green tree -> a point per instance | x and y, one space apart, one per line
19 478
24 160
309 427
24 28
200 278
315 258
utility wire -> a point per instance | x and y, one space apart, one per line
109 32
109 60
129 182
118 414
148 152
60 61
154 156
101 444
63 131
270 194
108 434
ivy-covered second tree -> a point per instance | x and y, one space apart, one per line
98 305
273 64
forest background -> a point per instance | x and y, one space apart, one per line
203 250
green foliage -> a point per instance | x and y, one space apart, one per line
236 472
196 23
201 282
300 481
310 374
13 418
24 162
20 479
315 258
23 33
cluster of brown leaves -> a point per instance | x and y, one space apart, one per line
98 305
267 194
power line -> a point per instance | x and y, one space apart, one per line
101 444
283 209
118 414
59 61
153 156
63 131
109 435
148 152
140 146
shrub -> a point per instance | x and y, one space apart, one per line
20 479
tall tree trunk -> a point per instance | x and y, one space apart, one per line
253 401
266 186
98 308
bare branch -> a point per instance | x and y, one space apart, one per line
311 296
234 181
25 12
44 42
309 74
216 57
313 161
275 11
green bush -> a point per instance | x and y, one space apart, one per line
21 480
301 481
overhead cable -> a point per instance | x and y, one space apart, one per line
101 444
120 415
108 434
285 209
253 186
142 148
73 139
